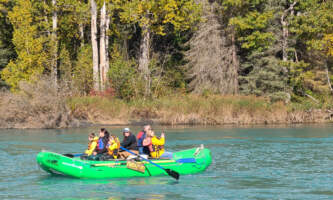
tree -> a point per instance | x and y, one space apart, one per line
29 45
54 44
212 66
7 51
260 37
94 45
83 72
153 16
313 24
103 45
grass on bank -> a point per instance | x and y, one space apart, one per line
42 106
181 109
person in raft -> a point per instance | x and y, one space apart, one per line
142 135
101 144
129 142
156 145
113 147
91 146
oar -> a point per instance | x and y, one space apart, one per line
73 155
170 172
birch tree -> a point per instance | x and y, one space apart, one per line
102 46
54 43
96 79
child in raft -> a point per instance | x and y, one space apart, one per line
112 148
88 154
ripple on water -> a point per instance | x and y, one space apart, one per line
248 163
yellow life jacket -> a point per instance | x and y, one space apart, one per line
157 147
91 146
113 147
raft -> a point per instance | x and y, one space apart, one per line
190 161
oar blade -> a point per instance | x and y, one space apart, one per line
69 155
172 173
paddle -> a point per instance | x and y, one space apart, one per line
170 172
72 155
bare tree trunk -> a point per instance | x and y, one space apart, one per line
328 79
144 58
107 60
285 31
102 55
94 45
81 30
235 64
54 39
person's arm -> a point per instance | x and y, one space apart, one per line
126 142
146 142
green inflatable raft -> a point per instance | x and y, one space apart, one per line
188 161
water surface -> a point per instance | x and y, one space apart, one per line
248 163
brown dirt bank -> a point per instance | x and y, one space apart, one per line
42 106
35 106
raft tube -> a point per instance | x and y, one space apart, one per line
190 161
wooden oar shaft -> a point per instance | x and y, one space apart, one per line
107 164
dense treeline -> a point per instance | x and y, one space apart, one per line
151 48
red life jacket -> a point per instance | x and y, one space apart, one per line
140 134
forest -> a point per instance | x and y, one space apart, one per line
144 57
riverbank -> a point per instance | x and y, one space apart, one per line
196 110
42 106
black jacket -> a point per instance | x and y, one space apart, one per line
129 142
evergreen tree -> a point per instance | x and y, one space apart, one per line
259 29
312 26
7 51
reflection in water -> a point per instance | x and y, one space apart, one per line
49 180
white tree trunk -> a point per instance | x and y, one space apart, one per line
107 60
235 65
102 55
81 30
328 79
94 45
144 59
54 44
285 31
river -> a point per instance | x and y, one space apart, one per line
294 162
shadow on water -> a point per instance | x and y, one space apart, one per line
55 179
115 189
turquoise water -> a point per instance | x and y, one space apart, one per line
248 163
